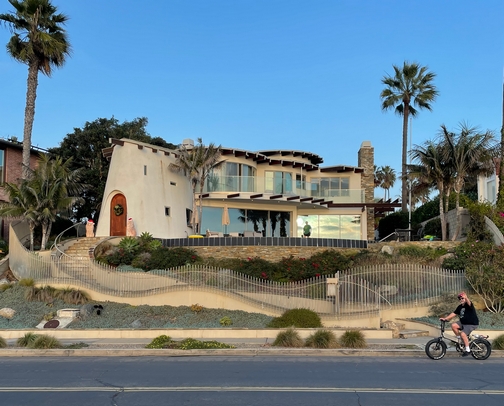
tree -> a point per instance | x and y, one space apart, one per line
432 168
468 153
57 189
40 42
410 86
387 177
196 163
86 146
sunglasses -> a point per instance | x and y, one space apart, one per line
460 297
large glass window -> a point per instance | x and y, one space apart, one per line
2 166
330 187
231 177
277 182
331 226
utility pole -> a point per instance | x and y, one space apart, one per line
409 183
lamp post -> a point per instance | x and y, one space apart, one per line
410 184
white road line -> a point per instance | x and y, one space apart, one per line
251 389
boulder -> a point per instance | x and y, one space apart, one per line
387 249
86 310
392 325
136 324
7 312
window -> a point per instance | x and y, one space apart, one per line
330 187
145 169
278 182
188 214
173 183
167 211
2 166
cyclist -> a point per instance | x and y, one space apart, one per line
468 320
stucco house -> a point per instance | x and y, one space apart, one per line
268 193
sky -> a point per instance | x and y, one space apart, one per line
265 74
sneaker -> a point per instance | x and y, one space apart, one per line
466 353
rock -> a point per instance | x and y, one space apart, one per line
391 325
387 249
136 324
445 256
4 281
86 310
7 312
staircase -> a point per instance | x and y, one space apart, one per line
399 330
80 249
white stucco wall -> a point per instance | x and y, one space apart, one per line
143 177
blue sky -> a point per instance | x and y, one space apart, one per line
265 74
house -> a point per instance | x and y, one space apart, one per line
11 158
488 186
272 193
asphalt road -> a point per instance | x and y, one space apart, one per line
265 381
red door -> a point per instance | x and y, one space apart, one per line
118 210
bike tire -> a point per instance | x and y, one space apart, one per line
480 349
435 349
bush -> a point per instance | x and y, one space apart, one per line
498 342
42 294
288 338
159 342
45 342
5 286
196 308
3 343
433 227
226 321
322 339
192 344
27 340
353 339
301 318
73 296
130 245
257 268
27 282
166 258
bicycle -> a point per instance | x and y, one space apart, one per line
479 345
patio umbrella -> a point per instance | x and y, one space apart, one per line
195 218
225 217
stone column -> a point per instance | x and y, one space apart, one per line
366 162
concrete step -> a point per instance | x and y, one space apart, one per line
413 333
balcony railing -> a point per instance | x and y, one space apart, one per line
252 184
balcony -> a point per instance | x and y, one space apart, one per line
251 184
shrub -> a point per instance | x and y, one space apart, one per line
27 340
301 318
433 227
328 262
353 339
322 339
288 338
73 296
226 321
3 343
141 260
45 342
27 282
5 286
49 316
42 294
159 342
498 342
130 245
192 344
166 258
196 308
257 267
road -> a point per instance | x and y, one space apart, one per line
265 381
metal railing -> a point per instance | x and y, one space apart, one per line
356 292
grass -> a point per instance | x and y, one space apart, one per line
3 343
27 340
498 342
353 339
288 338
322 339
45 342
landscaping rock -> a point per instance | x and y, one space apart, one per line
387 249
86 311
7 313
136 324
392 325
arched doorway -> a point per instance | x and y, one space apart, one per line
118 213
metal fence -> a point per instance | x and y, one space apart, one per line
353 293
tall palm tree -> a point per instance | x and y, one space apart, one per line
209 158
468 153
412 85
430 167
40 42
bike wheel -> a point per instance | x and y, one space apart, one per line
435 349
481 349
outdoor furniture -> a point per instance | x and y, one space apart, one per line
251 234
211 234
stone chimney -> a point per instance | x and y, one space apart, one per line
366 162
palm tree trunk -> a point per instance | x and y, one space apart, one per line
442 218
404 192
31 94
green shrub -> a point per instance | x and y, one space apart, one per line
27 340
159 342
73 296
423 253
300 318
257 268
118 257
433 227
49 316
192 344
498 342
130 245
42 294
166 258
3 343
322 339
45 342
5 286
226 321
328 262
141 260
353 339
27 282
288 338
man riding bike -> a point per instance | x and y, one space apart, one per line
468 320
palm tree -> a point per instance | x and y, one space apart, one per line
209 158
57 188
410 85
468 153
432 168
40 42
22 204
388 179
